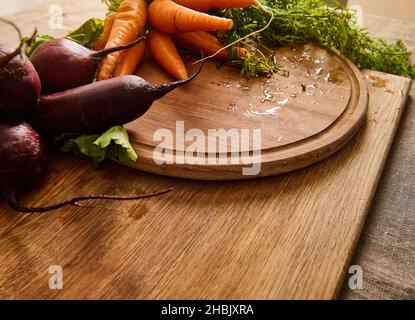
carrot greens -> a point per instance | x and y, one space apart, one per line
331 25
300 21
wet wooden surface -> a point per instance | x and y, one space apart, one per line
305 115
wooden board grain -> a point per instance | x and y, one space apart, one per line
302 115
284 237
386 248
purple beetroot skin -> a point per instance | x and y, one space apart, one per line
63 64
19 86
100 105
23 156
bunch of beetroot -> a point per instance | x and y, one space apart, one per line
63 71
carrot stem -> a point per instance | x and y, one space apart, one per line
245 37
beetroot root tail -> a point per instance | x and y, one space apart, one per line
15 205
7 58
104 52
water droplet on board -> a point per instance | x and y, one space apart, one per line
283 102
380 83
318 71
242 87
315 73
268 95
221 84
335 76
232 106
310 89
258 113
272 111
377 82
328 77
305 56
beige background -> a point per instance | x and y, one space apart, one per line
399 9
9 7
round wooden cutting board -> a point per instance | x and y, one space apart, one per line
291 120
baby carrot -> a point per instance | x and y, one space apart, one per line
170 17
207 43
108 23
129 60
129 23
164 52
207 5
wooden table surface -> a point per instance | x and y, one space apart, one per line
386 250
105 228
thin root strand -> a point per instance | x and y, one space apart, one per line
8 57
15 205
245 37
104 52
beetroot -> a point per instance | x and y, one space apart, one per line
63 64
23 165
19 85
23 159
19 82
23 155
100 105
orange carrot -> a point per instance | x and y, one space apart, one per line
170 17
129 23
108 23
164 52
207 43
129 60
230 45
207 5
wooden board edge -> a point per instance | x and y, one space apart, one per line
359 229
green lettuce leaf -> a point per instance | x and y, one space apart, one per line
85 35
36 42
117 142
88 33
114 144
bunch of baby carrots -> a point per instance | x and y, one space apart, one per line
184 22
